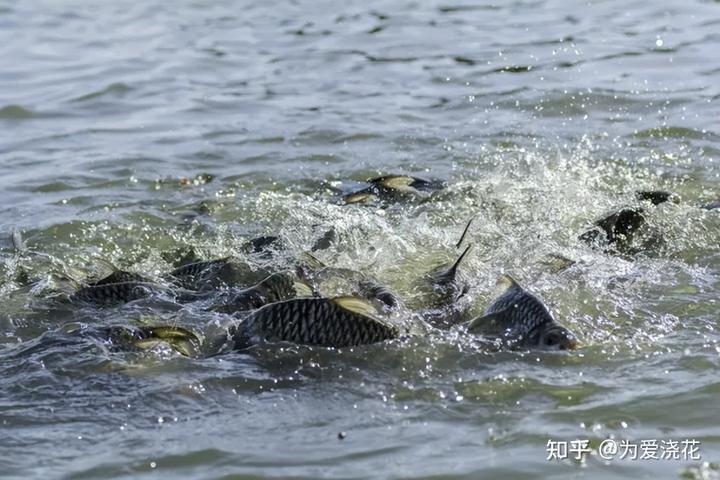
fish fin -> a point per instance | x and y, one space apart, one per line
492 323
454 267
507 282
311 260
557 263
108 265
360 197
355 305
17 241
302 288
465 231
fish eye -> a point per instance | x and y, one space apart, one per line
552 340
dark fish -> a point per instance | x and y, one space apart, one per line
275 288
114 293
394 187
337 322
521 319
371 290
316 275
120 276
261 244
444 281
617 229
214 274
324 241
656 197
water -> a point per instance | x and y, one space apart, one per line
541 116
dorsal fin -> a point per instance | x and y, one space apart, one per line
355 305
491 324
311 260
506 282
108 265
17 241
465 231
453 269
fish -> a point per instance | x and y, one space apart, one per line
121 276
656 197
335 322
277 287
214 274
147 337
443 281
616 229
110 293
320 277
324 241
371 290
519 318
261 244
394 187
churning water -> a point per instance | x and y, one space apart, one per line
541 116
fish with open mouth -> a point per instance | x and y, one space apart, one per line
394 188
520 319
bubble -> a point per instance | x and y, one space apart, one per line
659 42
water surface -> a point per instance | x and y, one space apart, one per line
540 116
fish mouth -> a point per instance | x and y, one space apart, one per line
573 344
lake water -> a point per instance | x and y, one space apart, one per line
541 116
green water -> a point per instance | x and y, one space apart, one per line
540 116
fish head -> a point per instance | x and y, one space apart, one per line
555 337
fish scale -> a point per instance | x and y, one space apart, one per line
313 321
108 293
